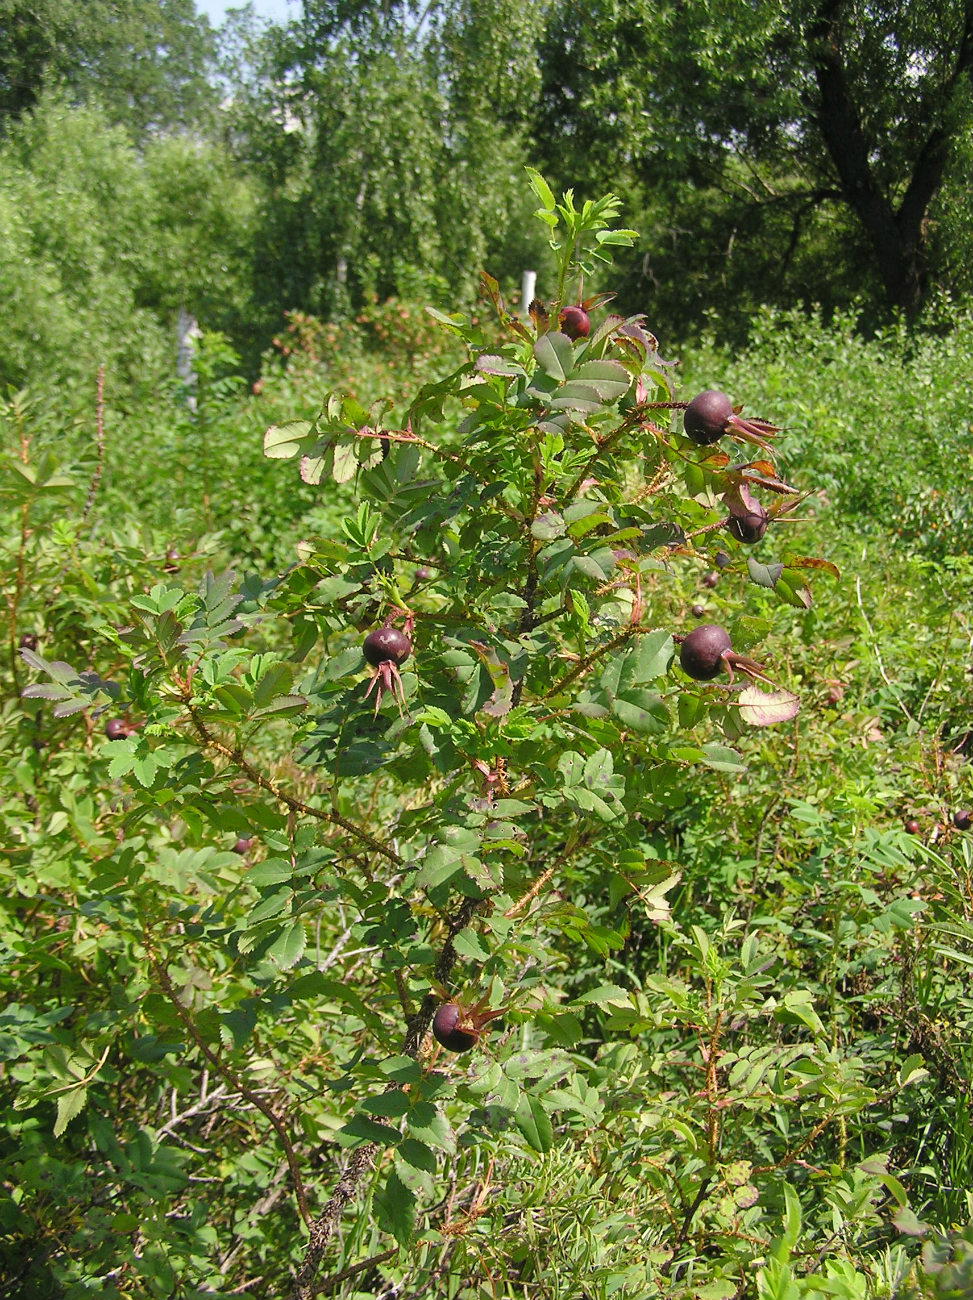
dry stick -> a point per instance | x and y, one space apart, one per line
235 1081
237 757
100 443
322 1228
329 1283
205 1103
876 651
13 597
245 1286
591 659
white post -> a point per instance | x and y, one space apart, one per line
187 331
528 284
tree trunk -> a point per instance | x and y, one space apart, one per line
897 236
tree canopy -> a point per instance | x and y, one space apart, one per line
791 112
378 134
101 242
814 151
148 62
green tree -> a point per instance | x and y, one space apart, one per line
817 110
101 243
391 145
147 61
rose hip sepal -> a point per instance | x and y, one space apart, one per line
458 1028
748 518
385 649
710 415
706 651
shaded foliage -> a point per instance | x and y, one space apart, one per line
787 125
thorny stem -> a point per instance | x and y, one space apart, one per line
529 593
533 545
13 597
712 1088
790 1157
604 444
237 757
654 483
711 1051
706 528
392 435
591 659
571 847
530 590
683 1231
565 264
100 442
235 1081
322 1228
407 436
